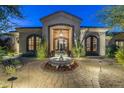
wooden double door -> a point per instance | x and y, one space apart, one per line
92 46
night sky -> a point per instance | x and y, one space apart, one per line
33 13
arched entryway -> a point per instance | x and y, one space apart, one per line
92 46
60 38
33 42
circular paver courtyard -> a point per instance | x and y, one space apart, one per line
92 73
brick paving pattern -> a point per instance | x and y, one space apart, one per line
89 74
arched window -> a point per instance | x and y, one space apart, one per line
91 46
33 42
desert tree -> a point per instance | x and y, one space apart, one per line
7 13
111 16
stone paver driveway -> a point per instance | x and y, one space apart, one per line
90 73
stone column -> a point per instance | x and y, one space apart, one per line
102 43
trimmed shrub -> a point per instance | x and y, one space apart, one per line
120 56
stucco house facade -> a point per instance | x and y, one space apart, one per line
61 30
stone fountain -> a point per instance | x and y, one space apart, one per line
61 61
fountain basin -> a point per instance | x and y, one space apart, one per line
55 61
64 64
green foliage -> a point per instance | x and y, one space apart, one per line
120 56
16 62
78 50
112 15
10 69
111 51
3 84
2 53
7 43
42 50
7 12
40 53
74 51
10 53
83 53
